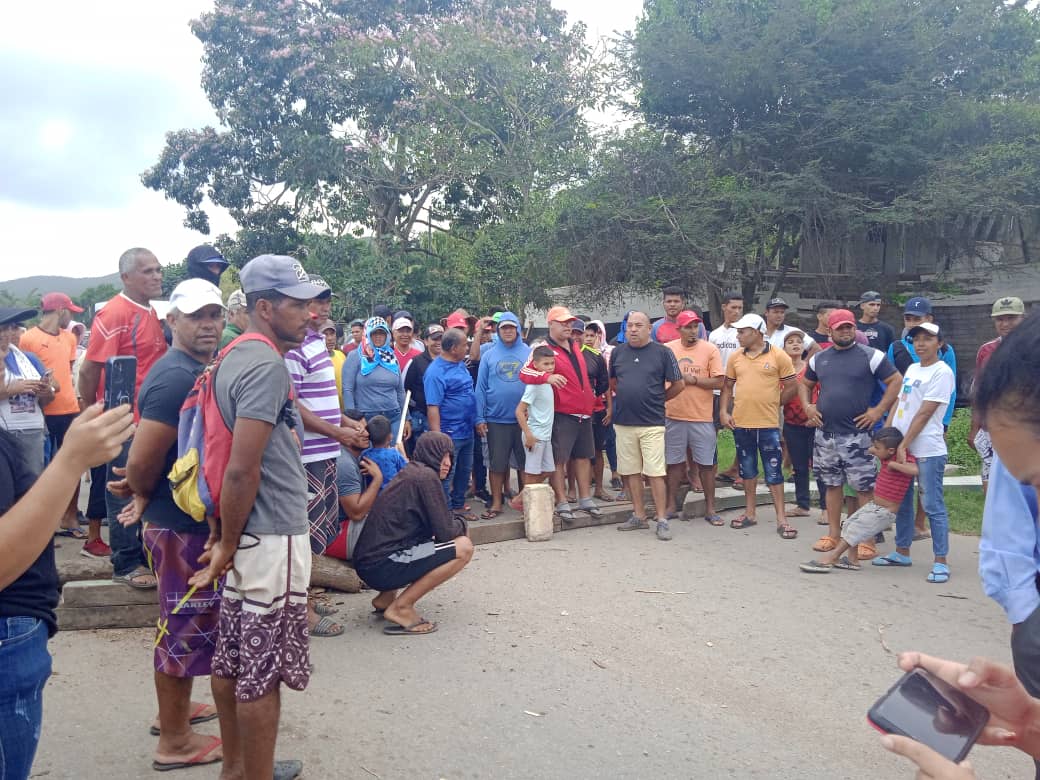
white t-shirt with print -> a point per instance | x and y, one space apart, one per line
920 384
725 338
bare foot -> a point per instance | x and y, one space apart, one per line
195 749
384 600
798 512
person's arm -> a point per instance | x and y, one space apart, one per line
144 465
608 399
481 391
348 377
89 379
716 375
523 420
673 389
871 417
444 523
95 437
928 408
1007 548
905 468
724 401
433 386
788 388
357 505
433 417
805 388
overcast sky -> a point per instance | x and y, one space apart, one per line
89 90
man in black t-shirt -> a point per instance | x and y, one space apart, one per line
413 382
643 375
174 540
879 334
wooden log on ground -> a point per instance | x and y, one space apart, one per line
335 574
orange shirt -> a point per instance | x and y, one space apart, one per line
694 403
756 396
56 352
123 327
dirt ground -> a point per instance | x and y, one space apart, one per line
596 654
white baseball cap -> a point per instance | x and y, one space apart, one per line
402 322
751 321
192 294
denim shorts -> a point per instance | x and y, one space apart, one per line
752 442
26 665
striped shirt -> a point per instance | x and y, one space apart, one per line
314 378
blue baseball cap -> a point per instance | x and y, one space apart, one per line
918 306
282 274
508 317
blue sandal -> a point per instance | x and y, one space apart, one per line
939 574
893 559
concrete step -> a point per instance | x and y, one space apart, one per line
104 593
115 616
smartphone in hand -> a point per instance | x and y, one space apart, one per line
120 381
931 711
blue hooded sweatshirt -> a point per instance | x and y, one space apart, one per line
498 381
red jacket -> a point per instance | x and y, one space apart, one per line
574 398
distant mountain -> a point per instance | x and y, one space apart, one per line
66 284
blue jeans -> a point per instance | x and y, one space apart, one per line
752 441
457 481
419 426
127 548
930 483
25 666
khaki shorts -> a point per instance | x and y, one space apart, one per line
866 522
640 450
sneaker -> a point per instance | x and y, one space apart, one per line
633 524
664 532
95 549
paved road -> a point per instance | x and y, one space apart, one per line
744 668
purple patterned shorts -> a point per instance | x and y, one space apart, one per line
187 628
263 639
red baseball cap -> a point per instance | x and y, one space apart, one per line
841 317
460 318
684 318
56 300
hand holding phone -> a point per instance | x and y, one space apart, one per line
120 381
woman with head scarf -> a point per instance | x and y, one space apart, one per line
372 376
411 539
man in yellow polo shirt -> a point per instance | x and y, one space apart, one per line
767 380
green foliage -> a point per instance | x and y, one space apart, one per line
960 453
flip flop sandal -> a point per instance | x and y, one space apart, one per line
824 544
616 483
566 515
866 551
715 520
128 579
74 533
592 511
196 717
469 517
326 627
604 498
815 567
846 565
786 531
822 520
892 559
491 514
742 522
396 629
922 536
939 574
323 610
725 479
199 759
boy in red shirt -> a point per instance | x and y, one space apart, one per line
893 480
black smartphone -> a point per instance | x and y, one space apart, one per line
120 381
932 712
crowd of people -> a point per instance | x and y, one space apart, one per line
374 445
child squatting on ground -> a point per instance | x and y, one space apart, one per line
893 481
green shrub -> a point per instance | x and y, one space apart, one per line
957 443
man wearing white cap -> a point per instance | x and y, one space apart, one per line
237 319
767 379
404 349
173 540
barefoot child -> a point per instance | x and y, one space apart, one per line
893 482
535 415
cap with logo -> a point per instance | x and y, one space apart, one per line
925 327
777 303
56 300
870 296
559 314
193 294
433 331
919 306
684 318
751 321
315 279
1008 305
841 317
280 273
236 300
402 322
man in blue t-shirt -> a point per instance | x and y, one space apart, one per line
451 408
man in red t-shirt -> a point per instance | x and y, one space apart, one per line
1007 315
127 325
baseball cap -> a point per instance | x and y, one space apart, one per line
1009 305
918 306
433 330
925 327
236 300
401 322
559 314
14 314
280 273
578 325
508 318
326 325
840 317
204 253
776 303
460 318
56 300
870 296
685 317
751 321
359 323
315 279
404 313
192 294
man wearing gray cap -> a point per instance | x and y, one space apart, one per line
879 334
262 542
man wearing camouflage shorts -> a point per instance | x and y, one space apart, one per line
847 374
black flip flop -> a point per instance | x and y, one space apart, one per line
396 629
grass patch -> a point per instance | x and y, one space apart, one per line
957 444
965 510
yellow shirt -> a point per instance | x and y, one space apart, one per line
338 359
756 401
